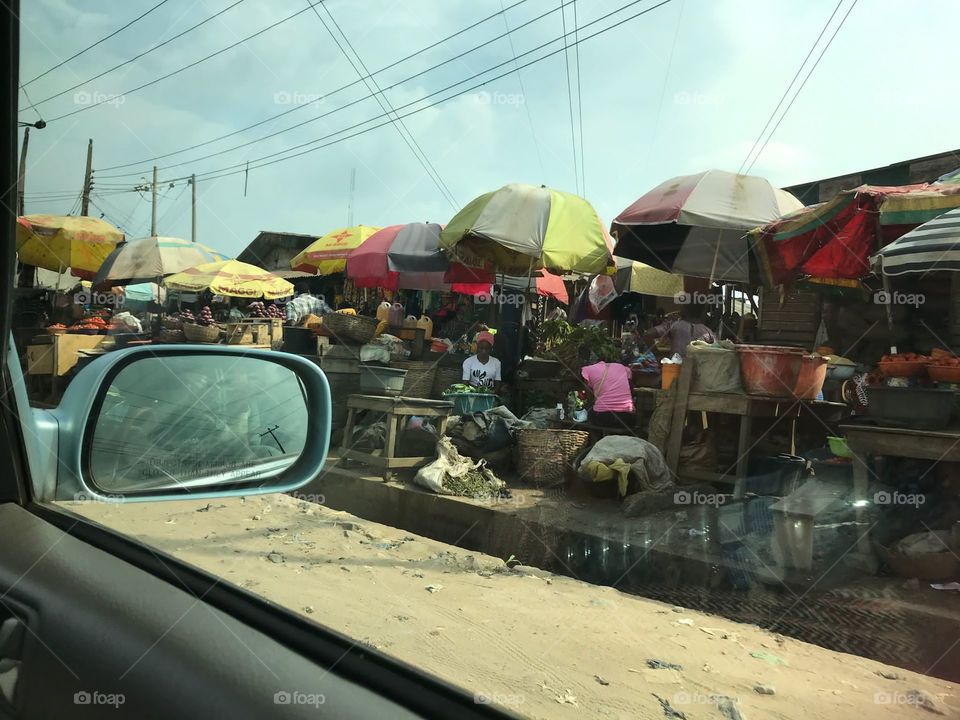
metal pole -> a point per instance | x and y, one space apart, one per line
22 175
193 208
153 203
87 180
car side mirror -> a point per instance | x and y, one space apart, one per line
179 421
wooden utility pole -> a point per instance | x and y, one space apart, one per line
153 203
87 180
193 208
22 175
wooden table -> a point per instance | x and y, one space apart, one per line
397 410
747 407
54 356
866 441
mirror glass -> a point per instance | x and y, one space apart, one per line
181 423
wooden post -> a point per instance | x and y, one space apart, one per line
193 208
153 203
22 175
88 180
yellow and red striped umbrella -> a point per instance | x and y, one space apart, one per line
230 277
58 242
328 255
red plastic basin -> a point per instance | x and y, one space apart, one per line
813 371
770 370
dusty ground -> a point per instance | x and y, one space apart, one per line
543 645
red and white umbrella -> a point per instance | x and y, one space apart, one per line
696 224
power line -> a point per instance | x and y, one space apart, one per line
523 92
566 63
802 84
232 169
337 90
90 47
137 57
576 46
32 104
399 124
790 86
397 84
185 67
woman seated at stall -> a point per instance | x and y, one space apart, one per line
482 370
609 383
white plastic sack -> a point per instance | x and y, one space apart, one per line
450 463
129 322
716 368
601 293
645 460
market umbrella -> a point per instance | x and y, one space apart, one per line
695 224
233 278
328 255
520 228
408 257
935 245
543 282
147 259
836 238
58 242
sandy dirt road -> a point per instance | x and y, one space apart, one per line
542 645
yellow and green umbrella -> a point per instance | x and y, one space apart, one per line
230 277
637 277
328 255
520 228
58 242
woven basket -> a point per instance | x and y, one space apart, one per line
201 333
545 457
418 382
444 378
169 323
170 336
355 328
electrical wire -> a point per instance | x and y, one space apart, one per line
424 161
90 47
232 169
32 104
137 57
802 84
576 46
359 100
185 67
566 63
340 89
523 92
786 92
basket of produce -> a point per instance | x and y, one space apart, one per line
418 382
201 333
904 365
57 329
945 369
171 323
545 457
258 309
468 399
170 336
350 328
445 376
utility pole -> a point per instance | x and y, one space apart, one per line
87 180
193 208
22 175
153 203
353 187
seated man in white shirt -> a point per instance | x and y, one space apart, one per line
481 370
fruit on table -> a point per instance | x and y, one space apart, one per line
904 357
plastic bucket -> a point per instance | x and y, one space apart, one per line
466 403
668 373
813 371
770 370
381 380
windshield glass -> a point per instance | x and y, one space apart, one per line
641 322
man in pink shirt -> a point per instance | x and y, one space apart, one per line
609 383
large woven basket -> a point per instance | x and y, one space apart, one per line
546 457
350 328
201 333
444 377
418 382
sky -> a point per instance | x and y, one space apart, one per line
685 87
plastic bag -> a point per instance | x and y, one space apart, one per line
450 466
645 460
601 293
